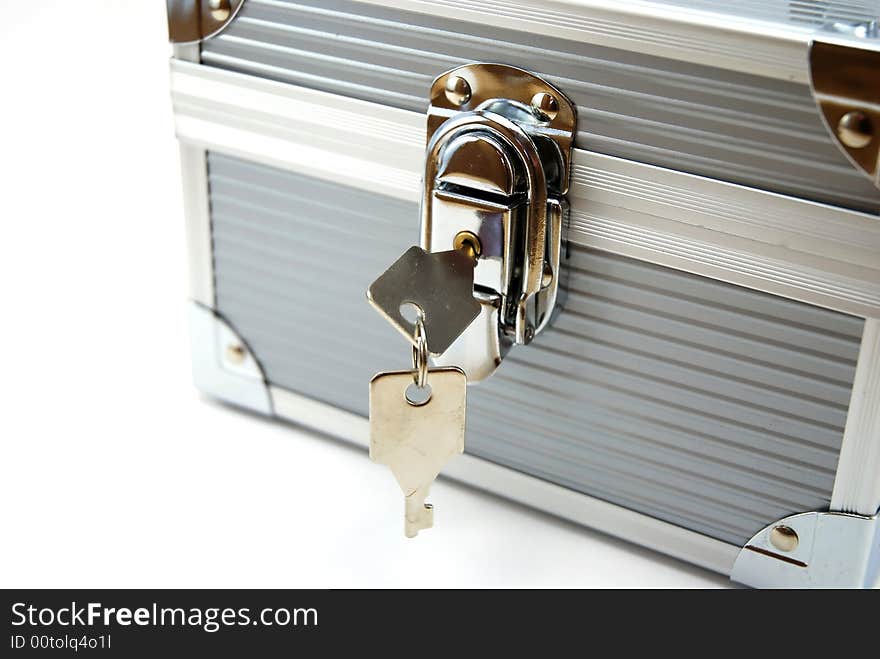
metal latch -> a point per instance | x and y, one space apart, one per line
496 173
488 273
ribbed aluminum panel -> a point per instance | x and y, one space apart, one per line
735 127
797 13
708 405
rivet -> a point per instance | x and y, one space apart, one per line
458 91
547 276
235 353
855 130
784 538
546 104
220 10
467 242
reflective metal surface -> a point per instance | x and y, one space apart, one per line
416 440
458 91
784 538
855 129
812 550
234 376
497 167
845 75
191 21
440 285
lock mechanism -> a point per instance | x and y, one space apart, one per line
496 173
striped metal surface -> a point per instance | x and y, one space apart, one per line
796 13
746 129
711 406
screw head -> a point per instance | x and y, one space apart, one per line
784 538
458 90
220 10
235 353
855 130
546 104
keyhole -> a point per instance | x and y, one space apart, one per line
468 243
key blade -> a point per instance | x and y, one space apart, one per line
417 515
440 283
417 441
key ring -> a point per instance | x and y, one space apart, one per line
420 354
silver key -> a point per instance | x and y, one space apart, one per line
439 284
416 441
416 436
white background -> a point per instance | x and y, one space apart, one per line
114 472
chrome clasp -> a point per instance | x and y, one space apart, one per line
496 173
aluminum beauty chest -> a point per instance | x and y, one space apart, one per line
707 380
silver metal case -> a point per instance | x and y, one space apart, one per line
711 386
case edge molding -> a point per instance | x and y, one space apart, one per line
197 223
689 35
807 251
857 484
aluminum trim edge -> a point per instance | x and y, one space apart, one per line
197 223
690 35
857 485
807 251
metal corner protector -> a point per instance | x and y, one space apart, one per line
192 21
844 62
812 550
223 365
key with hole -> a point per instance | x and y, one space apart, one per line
417 425
416 431
440 287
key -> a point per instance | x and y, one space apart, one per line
417 426
416 439
439 284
